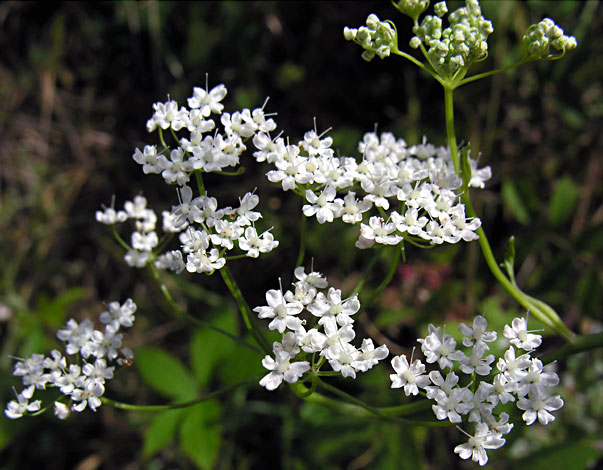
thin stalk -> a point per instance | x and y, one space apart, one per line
368 269
491 72
393 413
196 401
244 308
419 64
239 172
179 310
538 308
449 109
120 240
200 184
581 344
386 280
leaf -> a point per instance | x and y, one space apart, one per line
165 374
513 202
208 347
200 434
161 432
53 310
567 455
564 199
240 364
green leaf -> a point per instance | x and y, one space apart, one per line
53 311
514 202
567 455
239 365
564 199
162 430
208 347
200 434
165 374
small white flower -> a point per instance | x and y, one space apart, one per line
478 333
16 409
478 443
61 410
284 313
208 101
255 244
538 406
369 355
282 369
518 335
476 363
411 377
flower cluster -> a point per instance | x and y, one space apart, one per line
474 398
459 45
312 298
79 374
377 37
206 232
540 37
417 183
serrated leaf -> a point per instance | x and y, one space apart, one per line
513 202
564 199
165 374
208 347
200 434
161 431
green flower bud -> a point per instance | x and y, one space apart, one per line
415 42
440 9
412 8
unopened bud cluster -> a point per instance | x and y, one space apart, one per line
540 37
377 37
459 45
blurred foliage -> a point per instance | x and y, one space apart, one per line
76 85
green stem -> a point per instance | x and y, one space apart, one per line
200 184
196 401
244 308
386 280
179 310
161 139
229 258
120 240
389 413
302 241
419 64
580 344
369 268
491 72
449 109
240 171
538 308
